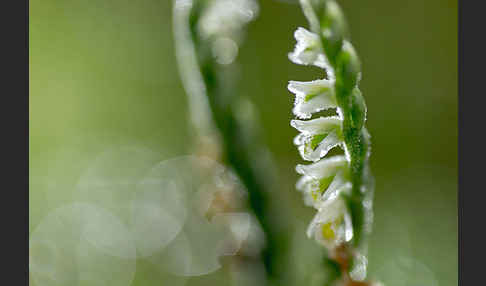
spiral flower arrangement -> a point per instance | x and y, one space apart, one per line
340 187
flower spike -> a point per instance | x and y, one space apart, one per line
340 187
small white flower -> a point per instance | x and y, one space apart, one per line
310 190
312 96
324 180
317 137
331 226
317 191
341 184
314 147
308 49
324 168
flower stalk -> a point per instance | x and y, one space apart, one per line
340 187
208 33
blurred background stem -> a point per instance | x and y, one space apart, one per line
232 116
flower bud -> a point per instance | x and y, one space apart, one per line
308 49
358 109
348 67
333 29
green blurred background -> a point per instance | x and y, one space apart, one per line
103 73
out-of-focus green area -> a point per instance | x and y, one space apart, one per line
103 73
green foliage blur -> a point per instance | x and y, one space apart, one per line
103 73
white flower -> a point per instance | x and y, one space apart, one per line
310 189
341 184
317 191
324 180
313 96
308 49
314 147
331 226
318 136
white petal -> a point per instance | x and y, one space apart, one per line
324 168
308 49
306 41
304 109
309 186
340 184
319 125
311 183
334 212
330 210
305 149
310 87
315 196
322 93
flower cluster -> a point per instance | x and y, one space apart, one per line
323 182
340 187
